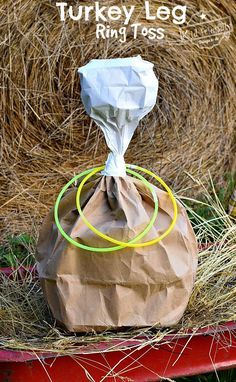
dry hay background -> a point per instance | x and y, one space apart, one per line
46 136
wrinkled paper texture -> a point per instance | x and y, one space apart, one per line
131 287
117 94
135 287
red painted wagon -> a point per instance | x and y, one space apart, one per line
208 349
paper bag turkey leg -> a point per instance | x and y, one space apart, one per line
132 287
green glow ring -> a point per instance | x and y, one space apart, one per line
106 249
131 243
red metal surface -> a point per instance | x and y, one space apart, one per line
19 273
215 348
209 349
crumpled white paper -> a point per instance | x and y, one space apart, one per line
117 94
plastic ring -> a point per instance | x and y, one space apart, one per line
91 172
130 244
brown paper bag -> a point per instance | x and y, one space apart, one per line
131 287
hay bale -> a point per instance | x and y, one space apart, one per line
46 135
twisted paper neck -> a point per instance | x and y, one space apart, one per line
115 165
117 94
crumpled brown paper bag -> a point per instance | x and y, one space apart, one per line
131 287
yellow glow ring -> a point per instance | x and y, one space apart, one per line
110 239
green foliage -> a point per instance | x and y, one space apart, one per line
225 190
211 207
18 250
